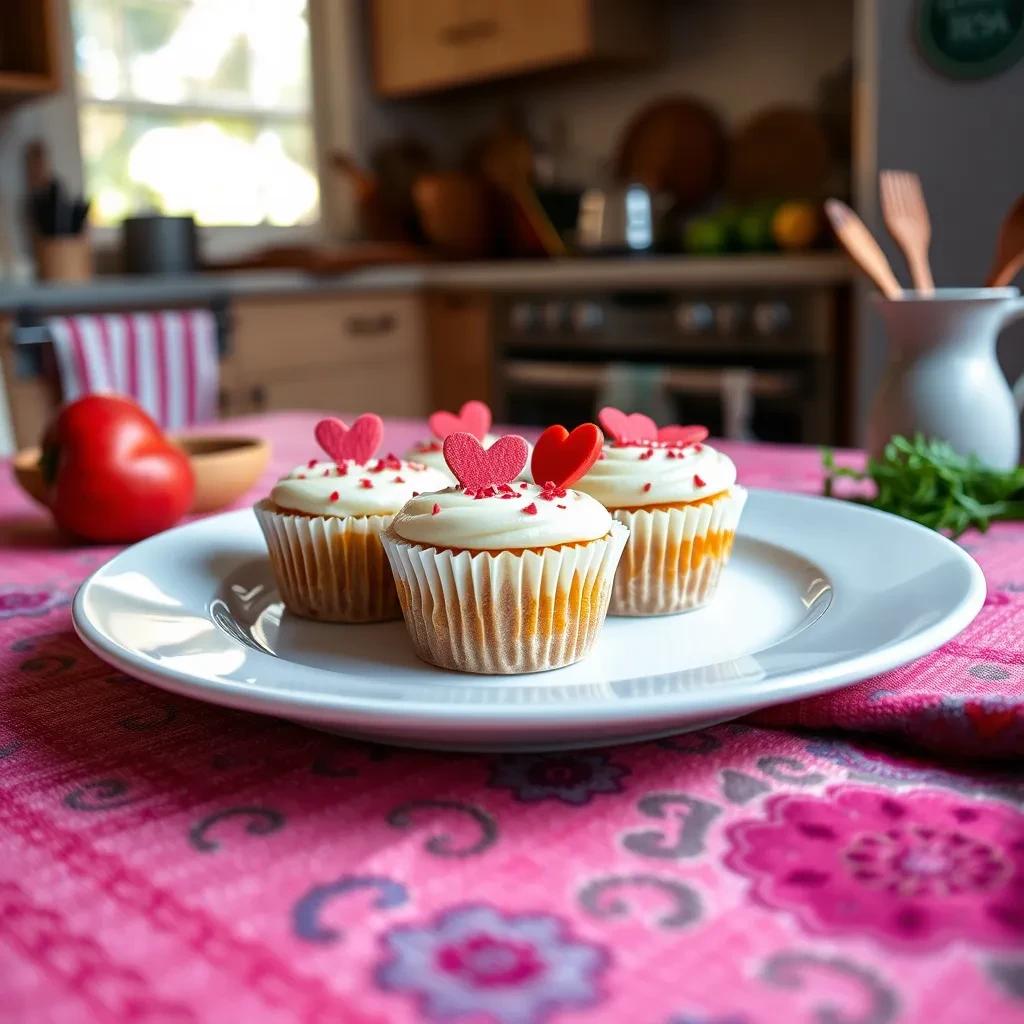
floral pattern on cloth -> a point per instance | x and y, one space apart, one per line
165 860
476 961
29 600
915 871
573 778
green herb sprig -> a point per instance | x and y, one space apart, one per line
931 483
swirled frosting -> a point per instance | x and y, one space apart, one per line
431 454
632 476
376 488
522 515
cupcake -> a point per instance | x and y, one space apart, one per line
679 498
497 575
473 418
323 521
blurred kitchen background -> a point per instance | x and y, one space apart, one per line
398 205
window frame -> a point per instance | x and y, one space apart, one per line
223 242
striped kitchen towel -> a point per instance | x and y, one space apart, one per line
166 360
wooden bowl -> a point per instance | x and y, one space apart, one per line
29 476
224 468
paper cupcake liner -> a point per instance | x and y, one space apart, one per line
674 557
504 612
329 568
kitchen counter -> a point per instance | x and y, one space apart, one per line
520 275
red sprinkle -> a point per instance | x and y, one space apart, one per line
437 508
311 464
334 496
560 506
647 487
302 476
365 484
531 509
398 480
415 494
327 472
698 482
698 447
342 470
647 454
523 485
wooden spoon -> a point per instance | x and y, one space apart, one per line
1009 259
906 217
855 238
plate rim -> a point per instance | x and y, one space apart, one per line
715 700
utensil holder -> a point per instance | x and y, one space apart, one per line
63 257
942 378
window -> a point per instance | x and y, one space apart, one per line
197 106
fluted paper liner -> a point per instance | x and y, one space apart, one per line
674 557
329 568
504 612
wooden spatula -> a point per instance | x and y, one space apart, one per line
855 238
906 217
1009 259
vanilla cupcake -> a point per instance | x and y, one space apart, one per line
503 576
473 418
680 500
323 521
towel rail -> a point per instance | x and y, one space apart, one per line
30 333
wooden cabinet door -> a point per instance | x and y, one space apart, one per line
351 353
422 45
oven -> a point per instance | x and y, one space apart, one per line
748 363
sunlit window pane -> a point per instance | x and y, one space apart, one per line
224 170
197 106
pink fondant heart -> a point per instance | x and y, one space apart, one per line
682 436
474 418
627 428
476 467
358 442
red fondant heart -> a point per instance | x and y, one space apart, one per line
682 436
476 467
627 428
562 458
358 442
474 418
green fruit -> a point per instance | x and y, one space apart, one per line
705 235
754 230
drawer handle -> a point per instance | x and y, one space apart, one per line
465 33
371 326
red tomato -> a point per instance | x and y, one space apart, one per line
112 474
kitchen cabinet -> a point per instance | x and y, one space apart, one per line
419 47
353 353
29 50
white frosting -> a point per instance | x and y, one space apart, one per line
629 477
498 524
311 488
430 454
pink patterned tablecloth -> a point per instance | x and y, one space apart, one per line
166 861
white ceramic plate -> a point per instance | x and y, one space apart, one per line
818 594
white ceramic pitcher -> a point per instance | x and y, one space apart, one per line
943 379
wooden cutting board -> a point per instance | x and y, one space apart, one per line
780 153
675 145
